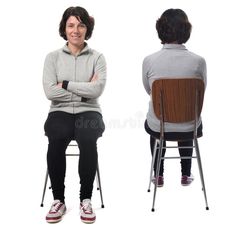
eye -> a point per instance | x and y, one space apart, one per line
82 25
70 25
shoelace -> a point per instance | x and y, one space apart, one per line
56 207
86 206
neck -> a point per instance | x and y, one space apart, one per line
175 42
76 49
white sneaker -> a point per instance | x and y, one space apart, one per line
158 181
87 214
187 180
57 210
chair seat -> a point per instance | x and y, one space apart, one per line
168 137
175 136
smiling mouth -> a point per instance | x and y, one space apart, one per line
76 36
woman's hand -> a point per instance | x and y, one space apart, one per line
59 85
94 78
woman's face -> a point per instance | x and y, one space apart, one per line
75 31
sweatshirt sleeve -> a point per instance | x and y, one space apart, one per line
52 91
91 89
203 69
145 76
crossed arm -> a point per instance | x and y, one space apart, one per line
70 90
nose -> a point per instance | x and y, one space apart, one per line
75 29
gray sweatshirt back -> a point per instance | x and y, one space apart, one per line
173 61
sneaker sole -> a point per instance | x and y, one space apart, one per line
160 186
54 220
88 221
187 184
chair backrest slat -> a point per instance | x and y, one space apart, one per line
178 96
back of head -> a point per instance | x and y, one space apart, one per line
173 27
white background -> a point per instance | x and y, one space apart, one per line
125 34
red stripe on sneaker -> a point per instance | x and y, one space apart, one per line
88 219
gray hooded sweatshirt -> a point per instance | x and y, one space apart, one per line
75 72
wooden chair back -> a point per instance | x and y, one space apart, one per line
177 100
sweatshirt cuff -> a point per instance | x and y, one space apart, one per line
65 84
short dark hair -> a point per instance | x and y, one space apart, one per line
173 26
82 14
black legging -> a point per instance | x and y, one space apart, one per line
85 128
185 163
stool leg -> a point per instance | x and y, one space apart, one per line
44 188
99 186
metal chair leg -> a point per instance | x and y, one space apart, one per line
99 185
44 188
201 171
158 164
152 164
